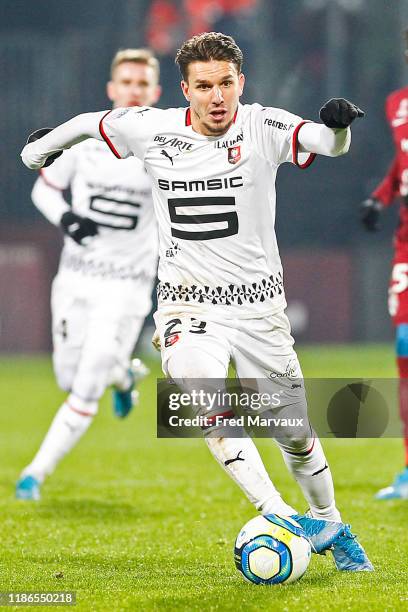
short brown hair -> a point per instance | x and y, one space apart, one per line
208 46
139 56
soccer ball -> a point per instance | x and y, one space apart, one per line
272 550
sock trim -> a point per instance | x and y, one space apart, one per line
81 412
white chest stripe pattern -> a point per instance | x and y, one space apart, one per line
215 203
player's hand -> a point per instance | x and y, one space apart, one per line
78 228
339 113
156 340
370 212
39 134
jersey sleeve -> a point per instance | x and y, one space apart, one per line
389 188
276 136
128 131
59 175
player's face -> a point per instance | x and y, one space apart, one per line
213 90
133 84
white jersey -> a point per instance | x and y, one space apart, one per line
215 203
117 196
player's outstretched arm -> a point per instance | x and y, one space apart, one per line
66 135
333 138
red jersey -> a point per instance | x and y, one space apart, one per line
395 182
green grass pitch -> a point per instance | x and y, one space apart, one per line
131 522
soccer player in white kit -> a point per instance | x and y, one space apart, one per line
102 292
220 293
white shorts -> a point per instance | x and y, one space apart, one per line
95 326
258 348
261 349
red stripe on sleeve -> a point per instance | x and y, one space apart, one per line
47 182
389 188
295 149
106 138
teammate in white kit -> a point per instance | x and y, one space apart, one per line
102 292
213 167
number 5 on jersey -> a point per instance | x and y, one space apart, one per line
399 284
228 217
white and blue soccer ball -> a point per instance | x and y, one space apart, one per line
272 550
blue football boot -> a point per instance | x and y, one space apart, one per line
28 488
398 489
322 534
349 555
124 401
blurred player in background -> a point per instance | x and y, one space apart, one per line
395 187
221 296
102 292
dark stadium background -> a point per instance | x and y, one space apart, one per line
55 61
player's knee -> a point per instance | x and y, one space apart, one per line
402 340
296 444
293 437
194 363
93 375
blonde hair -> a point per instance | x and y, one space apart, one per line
139 56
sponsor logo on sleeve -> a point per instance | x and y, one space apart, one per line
279 125
118 114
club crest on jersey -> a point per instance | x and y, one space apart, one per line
171 340
234 154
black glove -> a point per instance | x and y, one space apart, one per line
370 211
339 113
78 228
39 134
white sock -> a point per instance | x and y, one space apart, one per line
249 473
313 474
69 424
